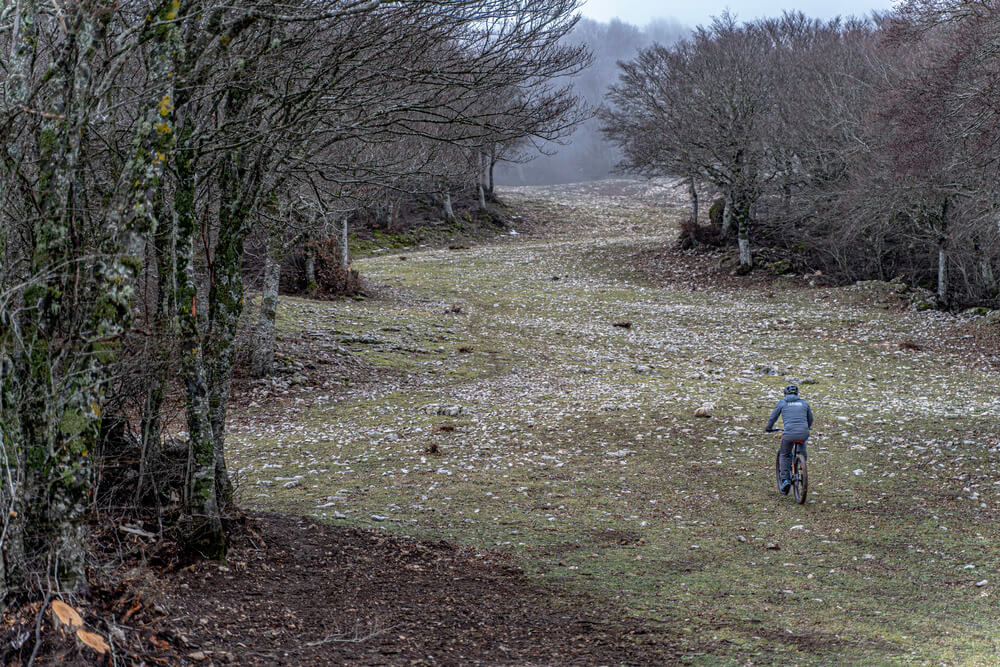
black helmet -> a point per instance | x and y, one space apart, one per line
792 389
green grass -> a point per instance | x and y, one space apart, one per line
680 529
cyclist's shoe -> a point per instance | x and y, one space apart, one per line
784 487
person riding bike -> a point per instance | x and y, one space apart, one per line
797 418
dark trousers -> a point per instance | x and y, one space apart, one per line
785 453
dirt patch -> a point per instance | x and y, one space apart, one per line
297 592
700 270
294 592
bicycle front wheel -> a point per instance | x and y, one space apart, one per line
799 473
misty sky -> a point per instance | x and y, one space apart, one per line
692 13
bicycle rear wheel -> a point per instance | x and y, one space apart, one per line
800 477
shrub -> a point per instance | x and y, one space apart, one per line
331 279
693 235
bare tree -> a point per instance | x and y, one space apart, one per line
701 107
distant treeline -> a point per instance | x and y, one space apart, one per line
862 148
586 155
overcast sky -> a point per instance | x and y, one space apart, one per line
698 12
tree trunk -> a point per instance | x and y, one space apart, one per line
942 245
746 258
492 188
225 308
11 472
942 281
14 575
741 211
311 284
727 215
62 373
344 249
264 339
693 191
449 212
151 425
201 525
986 275
481 179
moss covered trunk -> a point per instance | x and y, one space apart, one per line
742 218
201 523
225 309
163 334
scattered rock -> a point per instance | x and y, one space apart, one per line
894 286
644 369
621 453
443 410
922 299
704 411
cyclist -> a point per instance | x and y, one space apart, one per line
797 418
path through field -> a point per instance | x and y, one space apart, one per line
535 397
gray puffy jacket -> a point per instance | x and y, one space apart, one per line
796 416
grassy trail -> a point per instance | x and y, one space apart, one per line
576 450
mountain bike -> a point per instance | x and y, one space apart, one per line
799 476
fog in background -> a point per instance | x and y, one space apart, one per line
587 156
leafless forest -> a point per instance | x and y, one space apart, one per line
585 155
865 149
157 153
146 145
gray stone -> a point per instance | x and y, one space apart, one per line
620 454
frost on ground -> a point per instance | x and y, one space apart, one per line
537 395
